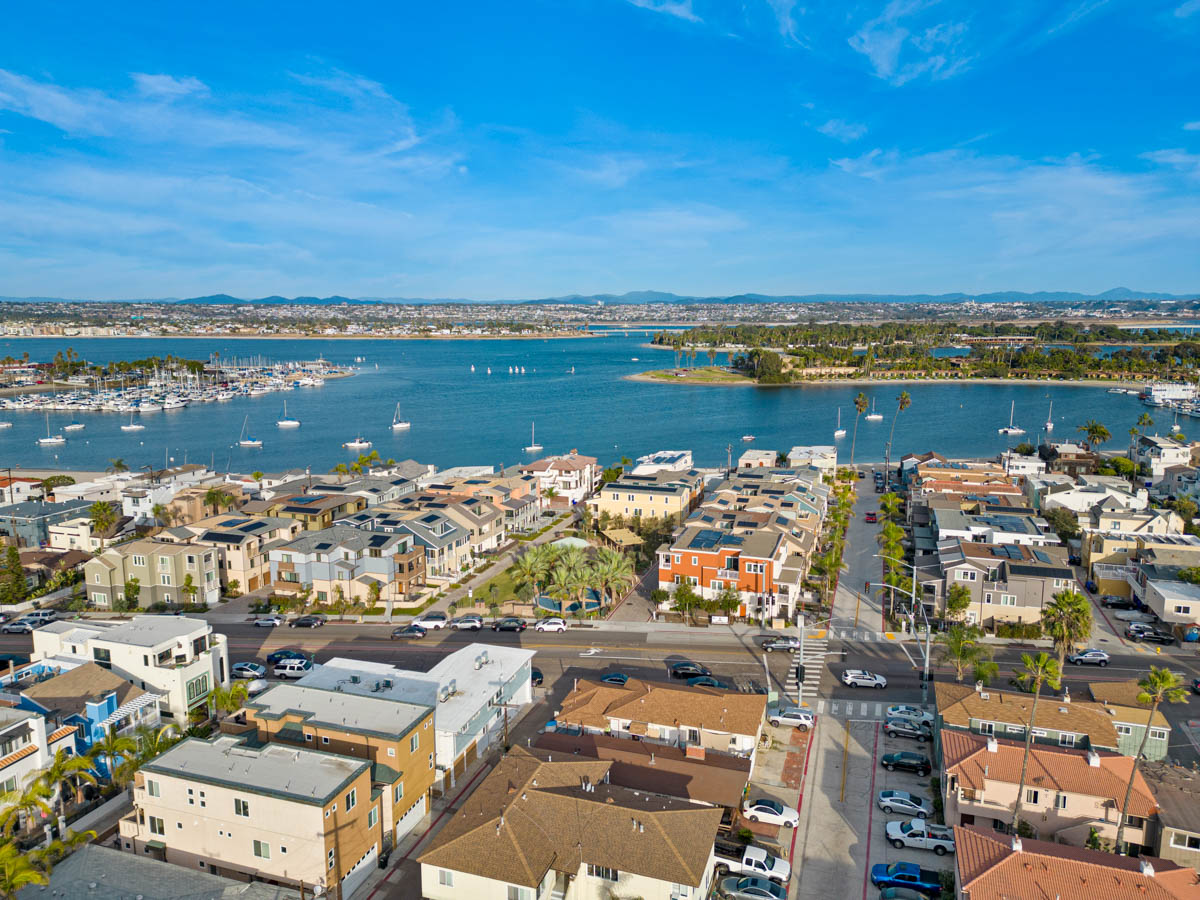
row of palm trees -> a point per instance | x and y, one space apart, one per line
567 574
861 404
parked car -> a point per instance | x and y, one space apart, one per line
904 711
617 678
906 761
688 670
708 681
470 622
279 656
1088 658
922 835
901 893
903 802
536 677
791 716
41 616
292 668
510 623
411 630
861 678
1153 635
307 622
551 623
736 858
751 887
248 670
764 809
779 642
431 619
906 874
269 621
871 518
907 728
19 626
1112 602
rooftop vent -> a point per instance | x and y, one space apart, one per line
992 746
1016 844
1093 759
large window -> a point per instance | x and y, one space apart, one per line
351 799
157 826
414 742
519 893
262 850
1185 841
445 878
602 872
241 807
151 788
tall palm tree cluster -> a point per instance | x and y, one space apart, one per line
567 574
49 793
828 564
362 464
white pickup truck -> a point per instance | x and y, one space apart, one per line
922 835
742 859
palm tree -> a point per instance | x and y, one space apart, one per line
1039 670
17 871
561 587
340 469
1067 618
903 402
217 498
153 741
618 569
528 570
21 805
103 517
64 773
1157 686
46 858
860 407
116 465
889 505
1096 433
112 751
549 493
960 647
230 699
258 477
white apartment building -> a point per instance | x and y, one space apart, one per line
26 747
819 456
178 656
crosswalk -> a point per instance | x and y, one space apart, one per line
856 709
863 635
813 661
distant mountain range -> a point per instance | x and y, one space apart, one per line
644 297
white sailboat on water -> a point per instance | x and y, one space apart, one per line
51 438
133 426
286 422
244 441
839 432
873 416
1011 428
534 446
399 424
1050 417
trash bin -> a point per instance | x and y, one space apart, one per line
383 859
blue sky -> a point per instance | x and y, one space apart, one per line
544 147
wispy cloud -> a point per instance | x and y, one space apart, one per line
1076 14
841 130
1185 10
168 86
784 14
1191 126
1177 159
680 9
900 50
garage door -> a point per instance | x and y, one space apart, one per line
356 876
409 820
470 755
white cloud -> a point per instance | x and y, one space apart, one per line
680 9
1192 126
611 169
1176 158
1184 10
167 86
842 130
784 10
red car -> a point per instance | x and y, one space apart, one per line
870 517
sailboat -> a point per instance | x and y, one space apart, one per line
839 431
1011 428
133 426
399 424
534 446
285 422
51 438
244 441
873 416
1050 417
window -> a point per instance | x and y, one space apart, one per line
987 598
331 857
1031 797
1185 841
373 817
241 807
1039 732
1016 729
601 872
351 799
413 743
431 760
139 560
1060 801
519 893
1158 734
1066 740
191 561
152 788
1135 821
400 792
164 563
1183 610
391 751
157 826
1008 599
308 736
324 739
165 579
99 597
191 797
262 850
967 575
445 878
680 891
695 561
987 728
666 562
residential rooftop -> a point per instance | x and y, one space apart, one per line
339 709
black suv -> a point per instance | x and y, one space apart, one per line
906 728
1153 635
688 670
909 762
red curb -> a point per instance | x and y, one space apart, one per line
1119 633
800 799
871 812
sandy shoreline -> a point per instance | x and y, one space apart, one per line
880 382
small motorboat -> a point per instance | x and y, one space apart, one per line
359 443
74 426
747 437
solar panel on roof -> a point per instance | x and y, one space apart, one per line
378 540
323 546
233 523
1042 556
218 538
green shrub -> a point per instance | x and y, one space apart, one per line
1019 630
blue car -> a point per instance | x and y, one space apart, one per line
280 655
617 678
707 681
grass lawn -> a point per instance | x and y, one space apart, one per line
704 375
506 590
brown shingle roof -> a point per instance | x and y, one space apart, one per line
1050 768
529 816
957 704
990 869
68 693
1123 696
592 703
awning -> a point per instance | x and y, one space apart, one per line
623 537
125 710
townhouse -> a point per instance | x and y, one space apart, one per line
1176 825
994 866
242 545
515 496
91 701
696 719
178 656
342 562
1068 792
1081 493
1069 457
822 457
666 494
27 524
373 490
1119 701
166 573
757 459
1107 555
188 504
474 692
663 461
1163 592
1007 582
566 480
313 510
1161 453
561 829
446 545
395 737
993 526
75 534
18 489
27 745
282 814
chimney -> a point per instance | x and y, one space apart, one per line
1147 869
1016 843
1093 759
992 746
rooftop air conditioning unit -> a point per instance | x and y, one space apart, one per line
354 679
387 684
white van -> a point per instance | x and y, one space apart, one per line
292 668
